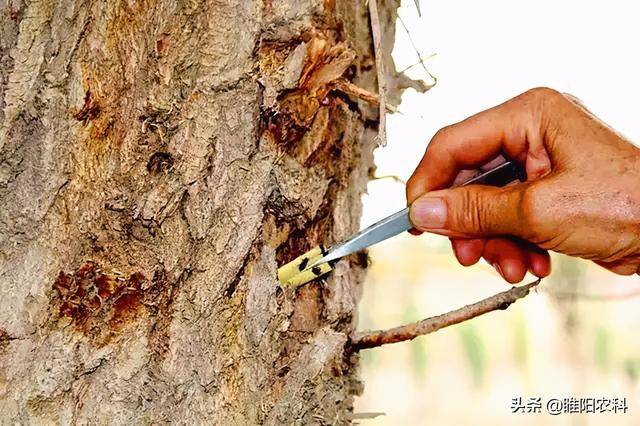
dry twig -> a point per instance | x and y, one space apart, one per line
394 178
418 7
422 61
415 48
353 91
371 339
382 85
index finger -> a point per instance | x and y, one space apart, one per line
515 128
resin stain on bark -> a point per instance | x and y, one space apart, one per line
97 304
89 110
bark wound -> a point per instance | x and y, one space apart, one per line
305 86
160 162
308 309
326 145
302 116
97 304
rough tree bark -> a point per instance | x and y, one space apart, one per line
158 160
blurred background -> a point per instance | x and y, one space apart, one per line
575 337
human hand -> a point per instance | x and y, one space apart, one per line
581 198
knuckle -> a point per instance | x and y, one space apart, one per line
542 100
440 135
530 215
542 94
539 108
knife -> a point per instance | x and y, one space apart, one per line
398 222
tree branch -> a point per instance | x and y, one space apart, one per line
371 339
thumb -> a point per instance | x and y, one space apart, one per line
470 211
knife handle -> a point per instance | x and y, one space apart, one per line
501 175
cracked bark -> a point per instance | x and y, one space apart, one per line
157 160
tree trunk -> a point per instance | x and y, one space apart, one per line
158 160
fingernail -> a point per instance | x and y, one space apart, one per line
498 268
429 213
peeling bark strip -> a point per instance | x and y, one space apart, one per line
372 339
381 74
192 146
299 80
